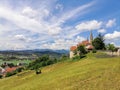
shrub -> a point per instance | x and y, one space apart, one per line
41 62
50 62
94 51
1 76
38 71
8 74
19 69
11 65
76 58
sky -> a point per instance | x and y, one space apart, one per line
57 24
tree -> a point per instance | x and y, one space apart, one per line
1 76
82 51
75 52
11 65
98 42
111 47
64 57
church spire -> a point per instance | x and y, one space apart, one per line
91 37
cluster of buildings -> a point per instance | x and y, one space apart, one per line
5 68
88 46
87 43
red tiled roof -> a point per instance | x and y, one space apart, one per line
89 47
10 69
85 43
73 48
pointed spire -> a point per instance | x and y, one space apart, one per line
91 37
87 39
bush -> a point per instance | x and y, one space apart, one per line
1 76
10 74
94 51
41 62
11 65
50 62
38 71
19 69
76 58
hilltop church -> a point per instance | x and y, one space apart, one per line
87 43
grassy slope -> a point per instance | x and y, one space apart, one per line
87 74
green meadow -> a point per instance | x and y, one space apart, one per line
89 73
15 62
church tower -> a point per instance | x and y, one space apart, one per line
91 37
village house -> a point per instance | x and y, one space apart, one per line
2 70
118 52
87 43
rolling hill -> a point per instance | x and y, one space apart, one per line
90 73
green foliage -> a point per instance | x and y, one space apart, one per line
64 57
10 65
76 58
94 51
75 52
1 76
8 74
41 62
19 69
111 47
98 42
82 51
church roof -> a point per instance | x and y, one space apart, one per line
89 47
72 48
85 43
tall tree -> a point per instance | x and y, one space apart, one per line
98 42
82 51
111 47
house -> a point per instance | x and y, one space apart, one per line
2 70
118 52
72 49
8 69
87 43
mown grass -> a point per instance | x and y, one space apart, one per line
90 73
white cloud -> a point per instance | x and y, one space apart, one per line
102 31
74 12
110 23
113 36
12 46
22 38
28 11
89 25
23 21
62 43
59 7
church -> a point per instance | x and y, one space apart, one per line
87 43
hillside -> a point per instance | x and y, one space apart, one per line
37 52
91 73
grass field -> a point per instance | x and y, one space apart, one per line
15 61
90 73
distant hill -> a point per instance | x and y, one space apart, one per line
39 52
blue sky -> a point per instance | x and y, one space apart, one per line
56 24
